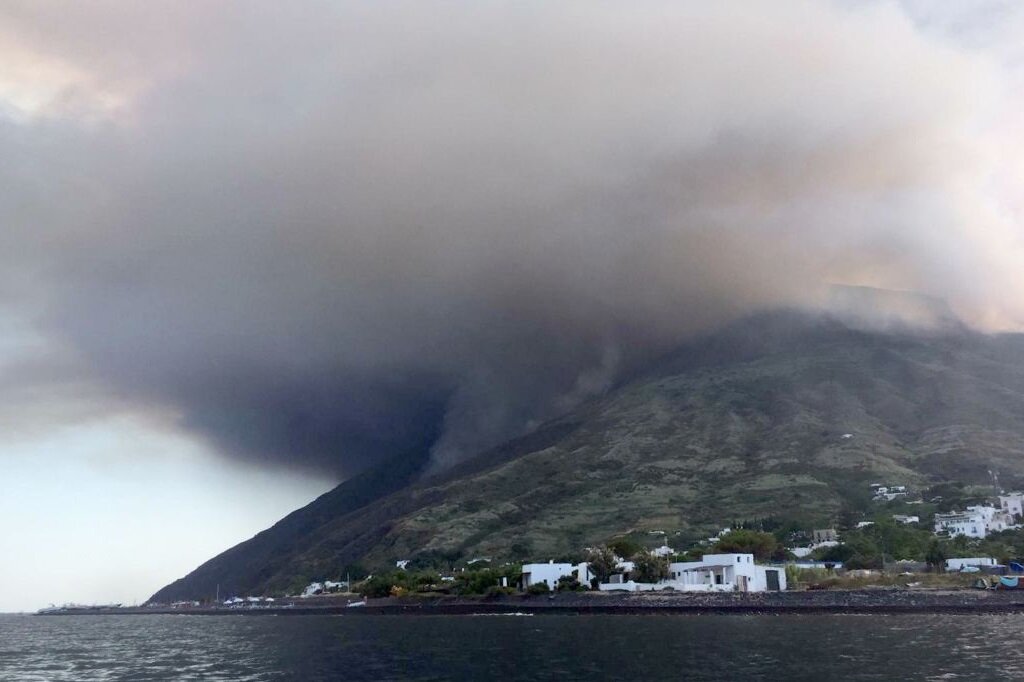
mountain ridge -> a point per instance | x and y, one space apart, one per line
743 422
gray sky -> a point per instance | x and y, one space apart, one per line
249 248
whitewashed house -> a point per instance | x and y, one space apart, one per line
961 523
888 493
663 551
996 519
801 552
1013 504
550 572
312 589
976 522
716 537
903 518
714 573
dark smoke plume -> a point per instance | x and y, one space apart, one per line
325 233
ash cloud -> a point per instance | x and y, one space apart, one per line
328 233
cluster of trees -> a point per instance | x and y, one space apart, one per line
398 583
647 568
1006 546
867 547
764 546
479 581
870 547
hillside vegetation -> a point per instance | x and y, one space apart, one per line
783 415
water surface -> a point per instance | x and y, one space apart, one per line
548 647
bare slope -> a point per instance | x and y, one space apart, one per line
747 422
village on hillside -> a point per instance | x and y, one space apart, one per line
983 542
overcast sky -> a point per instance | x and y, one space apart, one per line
247 249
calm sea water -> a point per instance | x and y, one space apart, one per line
656 647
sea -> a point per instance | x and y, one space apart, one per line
488 647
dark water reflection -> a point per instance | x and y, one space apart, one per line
656 647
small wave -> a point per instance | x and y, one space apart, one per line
517 613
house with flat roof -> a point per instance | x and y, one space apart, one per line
975 522
713 573
1013 504
550 572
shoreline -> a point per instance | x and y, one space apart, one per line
877 601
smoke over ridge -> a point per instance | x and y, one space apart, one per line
326 233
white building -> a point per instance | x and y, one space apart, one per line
664 550
714 573
311 589
888 493
801 552
961 523
715 538
550 572
316 588
976 522
960 563
1012 504
903 518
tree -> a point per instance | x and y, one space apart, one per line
865 551
602 563
377 586
762 545
648 568
477 582
936 555
625 547
838 553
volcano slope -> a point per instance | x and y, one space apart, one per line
783 414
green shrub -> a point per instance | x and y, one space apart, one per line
376 586
568 583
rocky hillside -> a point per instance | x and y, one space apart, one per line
784 414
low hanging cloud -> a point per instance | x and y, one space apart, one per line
328 233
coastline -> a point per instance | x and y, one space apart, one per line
870 601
